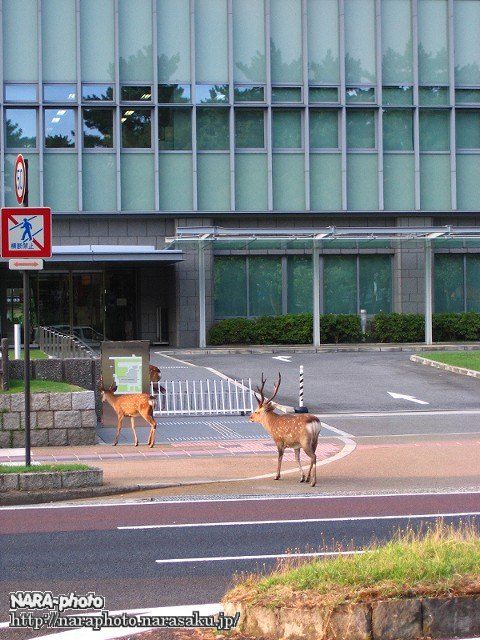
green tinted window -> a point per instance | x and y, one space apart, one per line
434 130
397 130
432 96
322 94
340 284
360 129
212 129
249 129
174 129
136 128
449 283
473 283
265 286
299 284
230 286
375 283
467 129
323 129
397 96
287 129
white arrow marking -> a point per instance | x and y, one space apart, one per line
405 397
283 358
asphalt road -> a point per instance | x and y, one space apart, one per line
160 563
352 382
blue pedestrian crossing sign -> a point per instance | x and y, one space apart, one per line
26 232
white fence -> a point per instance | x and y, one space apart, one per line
203 397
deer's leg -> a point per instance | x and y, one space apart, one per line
281 449
297 458
119 427
310 451
132 422
148 417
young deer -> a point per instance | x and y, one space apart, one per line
130 405
299 431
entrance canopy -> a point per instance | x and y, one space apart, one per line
313 239
114 253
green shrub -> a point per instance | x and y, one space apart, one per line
398 327
345 328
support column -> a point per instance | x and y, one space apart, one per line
316 295
202 341
428 293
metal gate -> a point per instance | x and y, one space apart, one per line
203 397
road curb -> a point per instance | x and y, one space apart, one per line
328 348
463 371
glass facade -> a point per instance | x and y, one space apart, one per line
348 283
301 105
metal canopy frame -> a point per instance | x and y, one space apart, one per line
201 236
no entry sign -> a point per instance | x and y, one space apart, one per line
20 178
26 232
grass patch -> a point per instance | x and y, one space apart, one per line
439 560
38 468
467 359
38 386
35 354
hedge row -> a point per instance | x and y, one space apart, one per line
344 328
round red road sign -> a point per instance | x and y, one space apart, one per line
20 178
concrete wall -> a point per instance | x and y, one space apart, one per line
56 419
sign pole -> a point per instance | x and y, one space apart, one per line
26 352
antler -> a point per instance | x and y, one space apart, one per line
276 387
260 391
100 384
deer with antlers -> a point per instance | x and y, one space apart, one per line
298 431
128 406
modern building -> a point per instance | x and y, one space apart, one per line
141 116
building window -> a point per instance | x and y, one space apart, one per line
211 93
20 128
397 130
361 129
434 130
287 129
286 94
59 128
323 129
20 93
360 95
401 96
141 93
322 94
342 294
59 93
212 129
97 92
97 128
299 284
249 93
136 128
350 283
249 129
174 129
230 274
173 93
467 129
457 278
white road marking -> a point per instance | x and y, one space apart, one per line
406 413
339 432
408 435
239 499
264 557
118 632
282 358
402 396
243 523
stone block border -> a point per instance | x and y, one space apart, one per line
463 371
402 619
48 480
56 418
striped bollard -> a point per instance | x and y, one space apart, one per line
301 408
